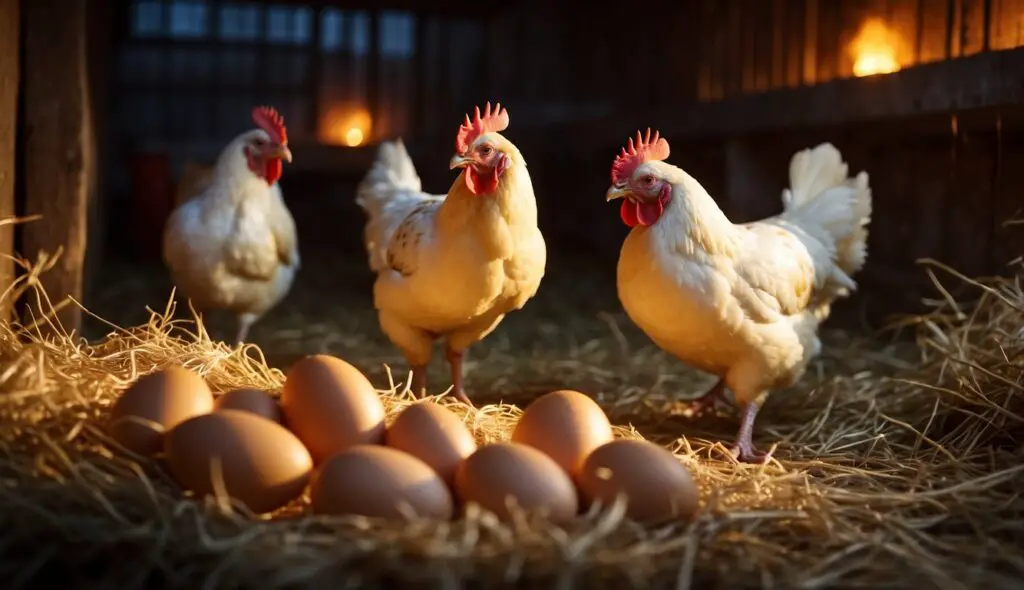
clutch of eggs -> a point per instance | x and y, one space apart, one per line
327 434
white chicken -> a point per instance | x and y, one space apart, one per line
740 301
234 245
452 265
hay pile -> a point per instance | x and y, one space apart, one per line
887 481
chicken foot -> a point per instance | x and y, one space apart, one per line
245 321
708 400
419 381
744 449
455 362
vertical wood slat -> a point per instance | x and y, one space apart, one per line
972 26
719 83
9 78
315 80
748 47
903 14
1007 24
795 42
779 43
59 148
827 41
763 28
705 61
810 57
934 19
733 71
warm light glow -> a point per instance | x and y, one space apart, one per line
345 125
875 49
354 137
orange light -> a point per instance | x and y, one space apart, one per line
875 49
345 125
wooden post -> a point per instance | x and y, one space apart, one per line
418 103
9 34
59 147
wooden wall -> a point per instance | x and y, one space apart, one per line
9 78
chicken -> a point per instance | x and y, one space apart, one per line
233 246
740 301
451 266
194 178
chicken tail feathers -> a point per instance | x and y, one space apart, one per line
827 203
390 189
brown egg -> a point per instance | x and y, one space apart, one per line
331 406
565 425
379 482
154 404
655 484
261 463
435 435
255 401
502 472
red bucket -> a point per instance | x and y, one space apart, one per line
152 201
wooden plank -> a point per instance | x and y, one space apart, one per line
972 26
764 35
795 42
732 73
373 66
934 19
748 45
705 61
779 29
993 79
722 43
903 17
829 15
1007 23
59 147
9 76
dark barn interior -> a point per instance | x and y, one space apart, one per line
110 110
737 86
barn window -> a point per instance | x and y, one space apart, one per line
331 23
398 30
147 18
188 18
240 22
288 25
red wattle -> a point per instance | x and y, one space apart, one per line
481 185
272 171
628 213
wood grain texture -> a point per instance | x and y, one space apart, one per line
60 158
9 76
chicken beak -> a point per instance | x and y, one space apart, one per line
459 161
616 192
284 153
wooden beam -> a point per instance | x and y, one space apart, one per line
60 160
980 81
9 55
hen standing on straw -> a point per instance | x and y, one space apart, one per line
234 246
742 302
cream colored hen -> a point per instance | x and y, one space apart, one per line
451 266
742 302
233 246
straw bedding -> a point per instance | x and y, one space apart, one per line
889 472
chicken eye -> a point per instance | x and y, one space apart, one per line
485 150
647 179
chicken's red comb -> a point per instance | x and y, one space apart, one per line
646 148
496 120
272 122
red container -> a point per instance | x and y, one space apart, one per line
152 201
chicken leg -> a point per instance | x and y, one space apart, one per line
744 449
455 362
699 405
245 321
419 381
